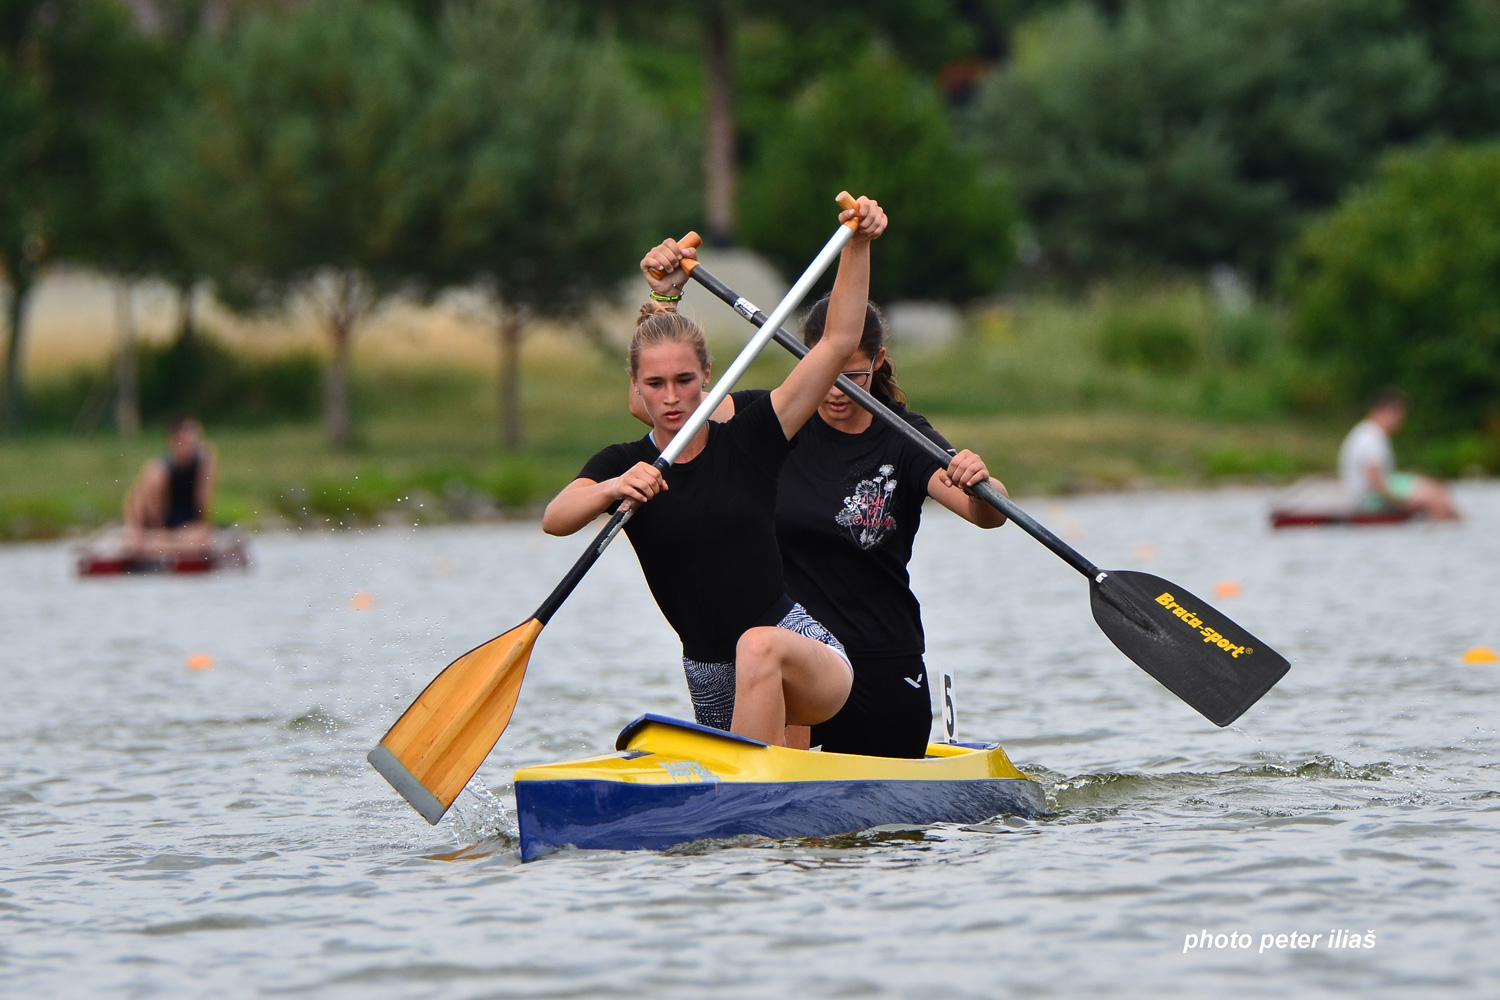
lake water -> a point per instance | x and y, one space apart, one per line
170 832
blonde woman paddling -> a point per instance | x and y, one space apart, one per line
705 533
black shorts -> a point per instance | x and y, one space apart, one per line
889 711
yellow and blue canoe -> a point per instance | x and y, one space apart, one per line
670 782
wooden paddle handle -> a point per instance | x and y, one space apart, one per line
847 200
688 242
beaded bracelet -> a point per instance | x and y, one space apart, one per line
667 298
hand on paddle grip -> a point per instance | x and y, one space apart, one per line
667 264
863 215
964 470
637 484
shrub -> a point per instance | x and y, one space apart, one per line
1398 286
875 130
1150 338
197 376
1194 132
200 376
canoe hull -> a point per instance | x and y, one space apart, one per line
106 556
610 816
673 782
1299 519
1317 501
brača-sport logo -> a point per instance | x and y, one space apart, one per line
1209 633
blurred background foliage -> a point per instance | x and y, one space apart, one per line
1217 210
1398 285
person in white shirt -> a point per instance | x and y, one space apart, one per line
1367 466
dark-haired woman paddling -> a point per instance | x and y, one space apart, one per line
847 513
705 533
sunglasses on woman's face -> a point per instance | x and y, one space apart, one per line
862 377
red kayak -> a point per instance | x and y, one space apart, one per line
1320 500
104 555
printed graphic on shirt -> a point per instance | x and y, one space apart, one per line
867 513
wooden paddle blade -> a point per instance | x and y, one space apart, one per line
439 742
1198 653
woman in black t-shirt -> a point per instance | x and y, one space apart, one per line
706 540
847 512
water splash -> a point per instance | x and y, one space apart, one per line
316 720
478 815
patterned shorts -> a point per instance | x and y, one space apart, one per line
711 685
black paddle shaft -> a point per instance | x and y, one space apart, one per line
590 556
985 491
1195 651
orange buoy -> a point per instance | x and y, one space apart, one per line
363 601
1481 654
1145 552
1226 588
200 661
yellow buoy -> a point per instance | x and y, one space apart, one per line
1481 654
363 601
1226 588
200 661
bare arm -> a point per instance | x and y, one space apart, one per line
582 500
146 500
947 487
798 397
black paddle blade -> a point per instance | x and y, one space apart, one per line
1194 650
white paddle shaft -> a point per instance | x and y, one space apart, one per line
789 302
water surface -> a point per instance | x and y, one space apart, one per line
170 832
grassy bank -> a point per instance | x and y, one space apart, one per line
1057 397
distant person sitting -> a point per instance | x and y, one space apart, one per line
1367 466
168 506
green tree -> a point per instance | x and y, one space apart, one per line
551 174
750 57
287 173
874 129
59 63
124 232
1463 37
1183 133
1397 287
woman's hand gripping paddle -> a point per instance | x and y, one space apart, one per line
439 742
1198 653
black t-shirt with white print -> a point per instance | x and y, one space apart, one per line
707 544
847 512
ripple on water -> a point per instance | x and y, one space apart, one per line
175 834
212 922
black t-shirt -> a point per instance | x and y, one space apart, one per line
847 512
707 544
182 491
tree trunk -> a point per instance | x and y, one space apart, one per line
336 383
127 378
353 296
511 325
13 388
185 322
718 146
